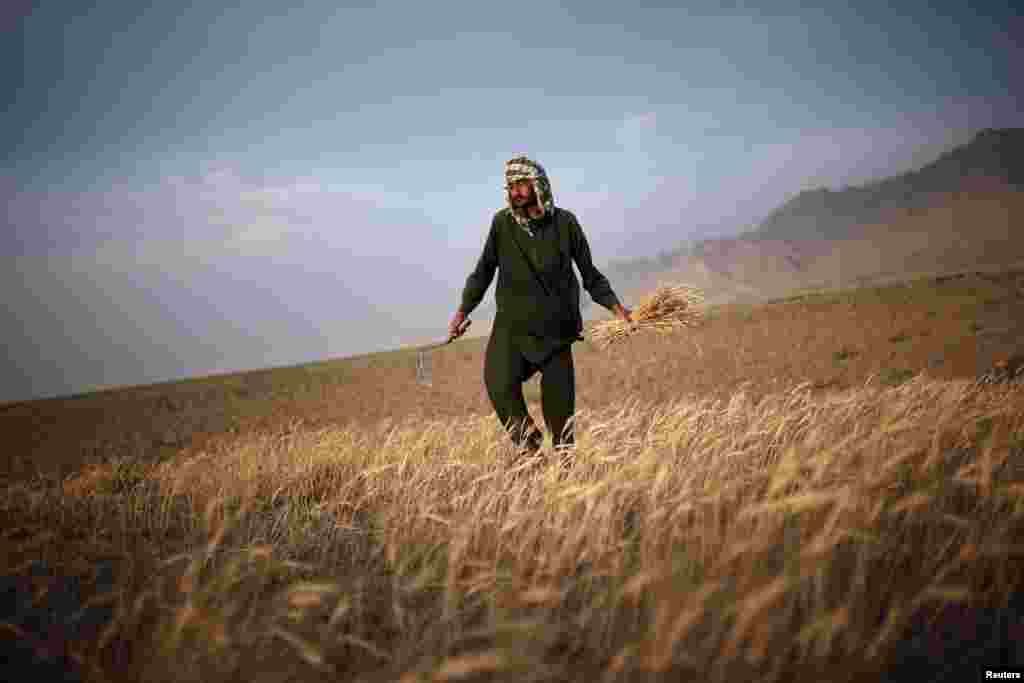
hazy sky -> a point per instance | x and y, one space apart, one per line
197 188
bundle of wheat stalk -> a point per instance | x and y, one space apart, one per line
668 308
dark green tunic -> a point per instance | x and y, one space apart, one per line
538 316
539 307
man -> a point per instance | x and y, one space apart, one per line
532 244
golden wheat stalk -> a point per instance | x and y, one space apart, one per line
668 308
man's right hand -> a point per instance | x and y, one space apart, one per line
457 327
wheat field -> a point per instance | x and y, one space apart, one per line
771 531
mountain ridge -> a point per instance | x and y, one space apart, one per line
992 159
952 214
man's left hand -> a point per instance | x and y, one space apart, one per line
624 313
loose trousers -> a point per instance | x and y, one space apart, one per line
506 368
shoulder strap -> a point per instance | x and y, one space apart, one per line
563 227
563 236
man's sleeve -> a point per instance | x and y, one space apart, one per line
594 281
480 279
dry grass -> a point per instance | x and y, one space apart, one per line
669 308
764 530
798 535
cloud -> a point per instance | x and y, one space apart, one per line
215 272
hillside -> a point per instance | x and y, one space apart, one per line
992 160
955 214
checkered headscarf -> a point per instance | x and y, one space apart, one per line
522 168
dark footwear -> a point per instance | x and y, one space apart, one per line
532 444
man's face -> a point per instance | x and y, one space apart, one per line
521 193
